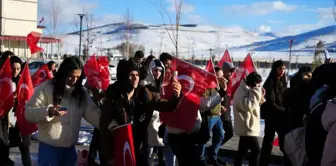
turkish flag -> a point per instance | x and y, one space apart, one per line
194 82
97 72
6 89
41 75
32 40
276 141
124 146
24 91
225 58
104 73
244 70
210 67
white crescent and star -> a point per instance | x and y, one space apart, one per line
23 86
190 80
44 75
127 148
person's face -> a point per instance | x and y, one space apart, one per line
156 73
309 75
16 69
167 63
134 79
73 77
220 74
281 71
228 73
53 67
138 60
258 85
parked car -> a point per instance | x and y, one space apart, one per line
34 66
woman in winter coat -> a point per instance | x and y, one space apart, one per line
57 107
273 110
296 98
246 105
11 130
126 102
154 79
52 67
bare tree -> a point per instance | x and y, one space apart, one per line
55 11
171 28
89 17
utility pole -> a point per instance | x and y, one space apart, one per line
290 54
80 33
210 52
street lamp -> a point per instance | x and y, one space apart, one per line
80 33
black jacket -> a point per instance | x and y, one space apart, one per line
296 101
273 107
226 116
138 111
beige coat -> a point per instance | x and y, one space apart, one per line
246 109
59 131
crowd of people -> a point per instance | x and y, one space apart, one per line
58 106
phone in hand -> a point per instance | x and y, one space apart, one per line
63 108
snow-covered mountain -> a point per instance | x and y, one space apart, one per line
302 42
192 38
196 39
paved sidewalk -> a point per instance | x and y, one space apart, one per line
228 152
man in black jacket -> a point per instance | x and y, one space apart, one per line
228 68
127 103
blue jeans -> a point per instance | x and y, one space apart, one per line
170 158
56 156
215 125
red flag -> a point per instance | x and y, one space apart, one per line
32 40
41 75
124 146
225 58
210 67
244 70
6 89
91 70
276 141
24 91
194 82
104 73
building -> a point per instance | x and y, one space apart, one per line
17 19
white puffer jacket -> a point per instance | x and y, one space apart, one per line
59 131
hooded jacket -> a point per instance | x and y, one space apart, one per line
155 86
118 110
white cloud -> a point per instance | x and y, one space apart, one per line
68 10
259 8
325 19
326 14
265 28
186 8
196 19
